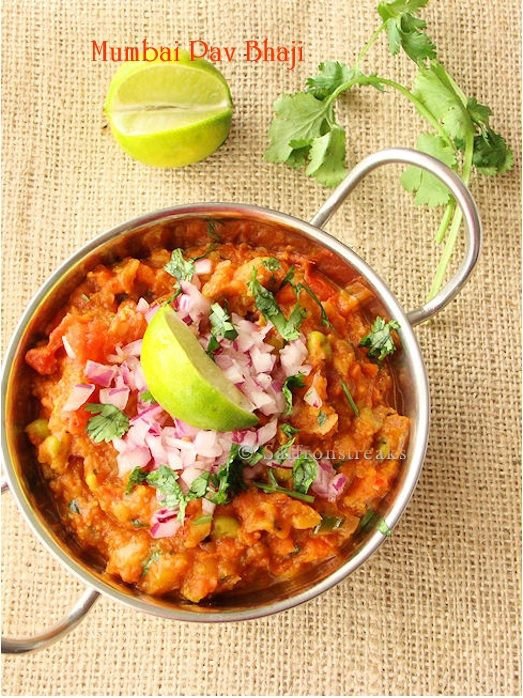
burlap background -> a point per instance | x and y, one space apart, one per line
437 609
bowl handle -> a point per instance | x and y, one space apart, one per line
459 191
11 645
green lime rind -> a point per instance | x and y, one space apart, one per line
186 382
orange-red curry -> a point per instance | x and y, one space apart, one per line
351 425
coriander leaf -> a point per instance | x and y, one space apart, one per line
436 92
269 308
299 118
379 340
304 472
291 382
327 158
137 476
321 418
288 278
154 556
110 422
405 30
479 113
179 267
221 327
354 407
324 317
271 263
147 396
331 75
229 479
199 486
328 524
288 430
371 520
272 486
428 189
491 153
166 482
283 452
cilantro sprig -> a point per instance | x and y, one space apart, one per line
288 328
182 269
109 422
273 486
379 340
221 327
295 381
305 132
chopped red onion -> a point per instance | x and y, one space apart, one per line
114 396
78 396
312 398
203 266
137 457
100 374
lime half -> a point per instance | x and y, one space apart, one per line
169 114
186 382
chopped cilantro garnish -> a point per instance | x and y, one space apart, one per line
147 396
221 327
179 267
228 481
354 407
166 482
137 476
272 486
291 382
379 340
109 422
304 472
288 430
321 418
153 557
328 524
324 317
271 263
269 308
372 520
283 452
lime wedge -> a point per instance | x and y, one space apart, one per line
185 381
169 114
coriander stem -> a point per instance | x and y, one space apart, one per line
422 109
445 221
370 43
456 221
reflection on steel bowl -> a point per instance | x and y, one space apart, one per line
218 508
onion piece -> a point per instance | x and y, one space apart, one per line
203 266
142 306
312 398
133 348
114 396
134 457
100 374
68 348
164 523
292 357
267 432
78 396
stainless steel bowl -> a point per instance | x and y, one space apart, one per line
144 233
